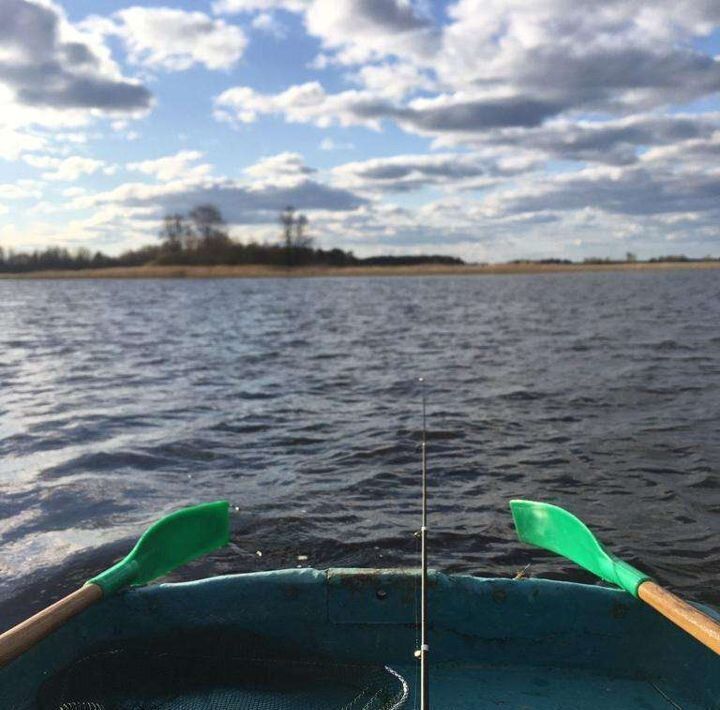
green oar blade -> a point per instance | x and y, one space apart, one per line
553 528
172 541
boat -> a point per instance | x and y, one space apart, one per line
344 638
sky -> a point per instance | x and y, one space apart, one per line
486 129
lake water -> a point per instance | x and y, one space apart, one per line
297 401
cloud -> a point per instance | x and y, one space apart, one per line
268 23
357 30
282 165
107 226
624 79
614 142
73 191
635 192
331 144
393 80
670 194
240 202
64 169
304 103
477 121
14 143
622 56
366 29
464 113
697 154
448 226
171 39
21 190
45 62
497 65
403 173
173 167
236 7
309 103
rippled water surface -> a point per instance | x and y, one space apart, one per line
296 400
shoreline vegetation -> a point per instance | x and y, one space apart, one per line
427 269
199 245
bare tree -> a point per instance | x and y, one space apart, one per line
172 232
301 239
190 238
209 226
287 220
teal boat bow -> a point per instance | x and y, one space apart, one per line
496 643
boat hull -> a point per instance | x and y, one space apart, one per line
493 642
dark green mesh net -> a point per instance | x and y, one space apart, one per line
185 678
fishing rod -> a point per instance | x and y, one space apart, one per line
422 653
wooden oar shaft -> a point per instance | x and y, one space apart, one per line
25 635
687 617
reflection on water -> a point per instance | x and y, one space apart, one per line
296 400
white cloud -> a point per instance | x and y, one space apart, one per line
13 143
697 154
619 56
173 167
623 55
268 23
615 141
658 190
241 202
73 191
496 64
394 81
404 173
21 190
356 30
74 137
365 29
46 63
236 7
282 165
64 169
446 114
108 226
331 144
304 103
171 39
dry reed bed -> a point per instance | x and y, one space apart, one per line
261 271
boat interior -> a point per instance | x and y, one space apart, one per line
346 639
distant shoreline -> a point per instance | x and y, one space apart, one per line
261 271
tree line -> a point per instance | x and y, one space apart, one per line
201 237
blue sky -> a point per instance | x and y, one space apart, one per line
488 129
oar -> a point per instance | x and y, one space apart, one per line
170 542
553 528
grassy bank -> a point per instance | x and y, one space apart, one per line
260 271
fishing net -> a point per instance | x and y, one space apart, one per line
145 678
